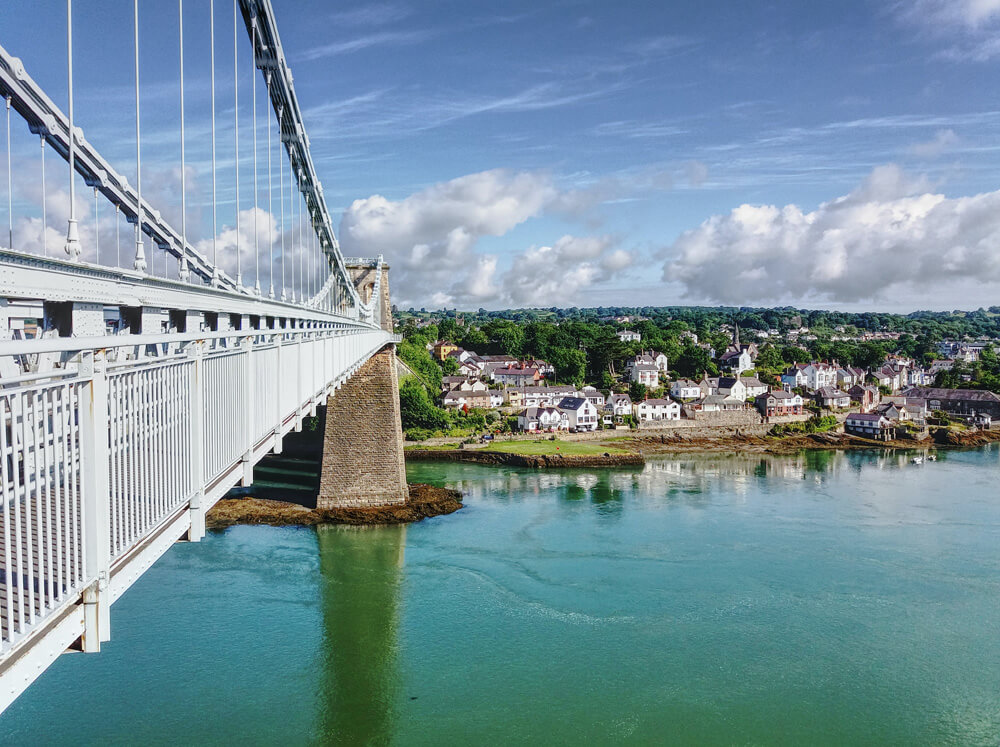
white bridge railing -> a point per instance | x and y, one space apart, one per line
109 461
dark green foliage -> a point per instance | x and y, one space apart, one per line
416 408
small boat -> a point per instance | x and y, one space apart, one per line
917 460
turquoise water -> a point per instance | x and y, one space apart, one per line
827 599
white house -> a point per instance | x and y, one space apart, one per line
685 389
658 409
628 335
754 387
541 419
581 415
646 373
650 358
732 387
592 394
618 406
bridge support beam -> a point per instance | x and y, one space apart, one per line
363 445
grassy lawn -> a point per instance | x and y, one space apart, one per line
439 447
544 448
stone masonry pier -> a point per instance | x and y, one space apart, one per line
363 444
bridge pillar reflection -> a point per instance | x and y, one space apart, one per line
361 570
363 444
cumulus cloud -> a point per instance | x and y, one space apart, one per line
430 238
887 234
558 274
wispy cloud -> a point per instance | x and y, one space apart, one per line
638 130
378 39
379 14
943 141
969 28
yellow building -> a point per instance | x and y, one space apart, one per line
441 349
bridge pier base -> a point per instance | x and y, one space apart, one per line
363 444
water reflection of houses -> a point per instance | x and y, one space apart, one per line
668 477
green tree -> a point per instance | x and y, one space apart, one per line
416 408
570 365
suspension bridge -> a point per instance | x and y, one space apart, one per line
141 381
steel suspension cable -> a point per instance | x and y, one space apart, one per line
298 242
236 137
140 254
270 194
183 271
118 235
45 220
215 224
10 187
72 232
281 175
97 228
253 72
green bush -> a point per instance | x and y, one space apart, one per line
418 434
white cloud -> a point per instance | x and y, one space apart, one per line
887 235
429 237
430 240
558 274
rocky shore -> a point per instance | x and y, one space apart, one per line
547 461
674 443
424 501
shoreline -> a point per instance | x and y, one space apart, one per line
645 445
424 502
536 461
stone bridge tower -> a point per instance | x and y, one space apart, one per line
363 444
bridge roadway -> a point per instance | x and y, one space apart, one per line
118 446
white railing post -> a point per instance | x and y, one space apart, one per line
96 523
196 508
299 394
279 385
248 414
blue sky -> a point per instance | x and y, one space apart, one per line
827 154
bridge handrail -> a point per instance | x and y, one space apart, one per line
76 344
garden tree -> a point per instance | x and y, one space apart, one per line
474 339
870 354
416 408
769 359
570 365
449 366
505 337
637 391
794 354
447 328
606 382
537 338
694 361
417 358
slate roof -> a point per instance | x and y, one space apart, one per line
967 395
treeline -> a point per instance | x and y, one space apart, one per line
982 323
